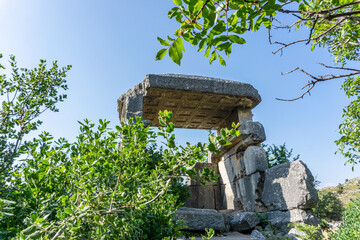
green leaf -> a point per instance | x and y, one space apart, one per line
173 12
35 235
211 147
213 57
180 45
207 52
223 133
222 61
219 39
201 45
237 39
68 210
170 128
163 42
223 46
267 23
29 230
7 201
161 53
177 2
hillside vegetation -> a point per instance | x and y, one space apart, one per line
346 191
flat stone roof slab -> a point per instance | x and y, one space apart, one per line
196 102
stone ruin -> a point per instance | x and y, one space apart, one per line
283 194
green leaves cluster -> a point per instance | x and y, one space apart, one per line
349 144
25 96
351 217
175 49
214 26
106 185
339 31
311 232
102 187
277 155
223 139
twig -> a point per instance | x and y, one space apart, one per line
312 29
201 9
311 84
321 11
152 200
341 68
58 233
308 39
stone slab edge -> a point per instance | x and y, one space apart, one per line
194 83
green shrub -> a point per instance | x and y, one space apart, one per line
277 155
102 185
329 207
311 232
107 185
340 188
351 228
25 94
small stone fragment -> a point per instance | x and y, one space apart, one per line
257 234
242 221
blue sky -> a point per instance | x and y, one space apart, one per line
112 46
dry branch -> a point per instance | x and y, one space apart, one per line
315 79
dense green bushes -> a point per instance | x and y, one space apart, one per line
329 207
107 185
351 228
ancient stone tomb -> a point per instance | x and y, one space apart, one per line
283 193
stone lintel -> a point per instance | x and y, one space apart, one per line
196 102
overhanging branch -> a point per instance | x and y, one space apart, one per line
322 78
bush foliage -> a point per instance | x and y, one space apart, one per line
329 208
351 228
277 155
106 185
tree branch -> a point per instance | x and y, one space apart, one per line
308 39
315 79
321 11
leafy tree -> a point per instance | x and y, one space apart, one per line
25 96
278 154
216 26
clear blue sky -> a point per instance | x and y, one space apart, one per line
112 46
